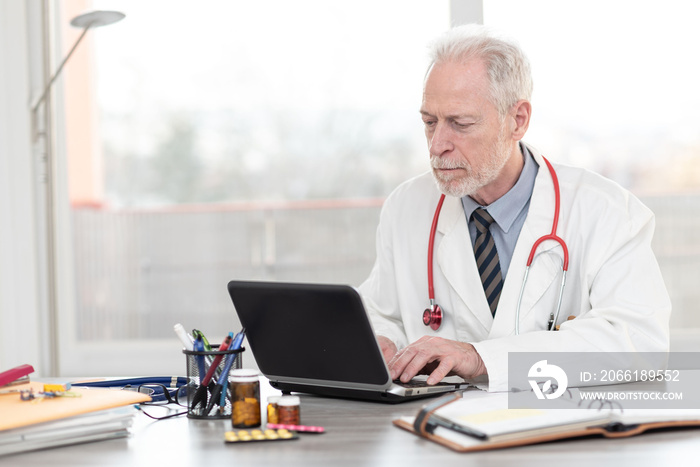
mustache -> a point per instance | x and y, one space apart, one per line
440 163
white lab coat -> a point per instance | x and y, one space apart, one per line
614 286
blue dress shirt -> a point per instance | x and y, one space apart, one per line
509 212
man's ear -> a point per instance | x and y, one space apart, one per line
520 117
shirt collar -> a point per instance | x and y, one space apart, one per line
506 208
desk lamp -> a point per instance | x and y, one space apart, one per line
91 19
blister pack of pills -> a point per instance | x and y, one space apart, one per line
247 436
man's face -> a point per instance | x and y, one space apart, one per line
466 136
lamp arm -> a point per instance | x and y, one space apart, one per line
41 98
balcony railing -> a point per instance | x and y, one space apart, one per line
139 271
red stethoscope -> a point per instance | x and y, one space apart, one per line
433 315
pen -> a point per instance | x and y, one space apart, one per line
436 421
185 338
207 348
200 396
199 347
235 345
217 392
200 334
215 364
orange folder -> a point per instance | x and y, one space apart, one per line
16 413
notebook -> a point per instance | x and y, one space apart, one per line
317 339
482 421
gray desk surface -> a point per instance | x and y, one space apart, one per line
357 434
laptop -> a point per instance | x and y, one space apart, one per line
317 339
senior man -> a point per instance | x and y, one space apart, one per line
500 196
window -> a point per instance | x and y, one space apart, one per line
229 139
615 91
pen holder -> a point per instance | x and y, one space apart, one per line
205 402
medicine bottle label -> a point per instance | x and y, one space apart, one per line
246 402
288 410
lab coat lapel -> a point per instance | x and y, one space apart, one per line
545 269
455 258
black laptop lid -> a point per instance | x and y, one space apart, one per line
309 332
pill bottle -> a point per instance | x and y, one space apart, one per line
272 409
288 410
245 399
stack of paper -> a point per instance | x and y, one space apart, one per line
95 414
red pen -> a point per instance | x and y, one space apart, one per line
215 364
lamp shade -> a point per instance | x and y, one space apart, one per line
95 19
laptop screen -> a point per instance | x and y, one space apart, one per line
309 331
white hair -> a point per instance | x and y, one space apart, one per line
508 67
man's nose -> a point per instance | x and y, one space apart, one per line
440 140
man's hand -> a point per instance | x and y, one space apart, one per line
388 348
437 357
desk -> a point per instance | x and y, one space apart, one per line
357 434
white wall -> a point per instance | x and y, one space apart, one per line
466 11
20 284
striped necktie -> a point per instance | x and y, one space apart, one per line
487 258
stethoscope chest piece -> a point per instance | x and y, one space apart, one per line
433 316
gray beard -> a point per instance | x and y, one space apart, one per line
471 182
